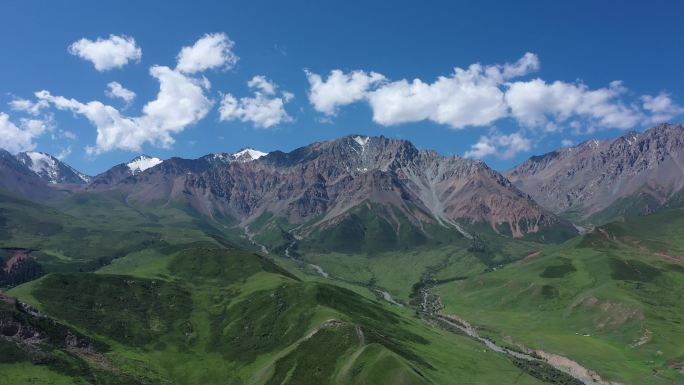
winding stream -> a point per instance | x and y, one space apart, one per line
430 307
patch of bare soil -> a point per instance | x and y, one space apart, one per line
644 339
674 258
573 368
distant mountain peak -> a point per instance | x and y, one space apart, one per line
142 163
600 179
51 169
248 154
361 140
245 155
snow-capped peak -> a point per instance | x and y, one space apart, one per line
361 140
50 168
248 154
42 163
142 163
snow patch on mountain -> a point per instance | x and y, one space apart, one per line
44 164
49 168
361 140
248 154
142 163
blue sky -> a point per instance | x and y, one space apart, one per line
547 75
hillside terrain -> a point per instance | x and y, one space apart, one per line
361 260
600 180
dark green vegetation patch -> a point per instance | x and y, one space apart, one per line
216 264
314 360
133 311
273 319
545 372
632 270
266 321
558 271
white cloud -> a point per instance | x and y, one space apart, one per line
35 126
116 90
28 106
661 107
339 89
64 153
567 143
106 54
261 83
468 97
525 65
482 94
499 145
16 139
536 103
209 52
179 103
264 109
64 134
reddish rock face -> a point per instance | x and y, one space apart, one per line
315 184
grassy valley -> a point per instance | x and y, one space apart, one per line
609 300
176 301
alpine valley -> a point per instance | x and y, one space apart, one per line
361 260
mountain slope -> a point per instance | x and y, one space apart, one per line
610 300
636 173
122 171
51 169
317 186
209 313
16 178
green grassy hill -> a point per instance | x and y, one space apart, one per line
164 296
206 314
611 300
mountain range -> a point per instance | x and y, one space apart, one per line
319 187
370 187
597 180
360 260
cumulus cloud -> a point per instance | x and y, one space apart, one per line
180 102
536 103
265 109
661 107
468 97
116 90
482 94
105 54
212 51
15 138
499 145
339 89
28 106
262 84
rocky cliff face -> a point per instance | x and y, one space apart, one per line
635 173
17 266
315 185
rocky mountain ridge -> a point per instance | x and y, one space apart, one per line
317 185
635 173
